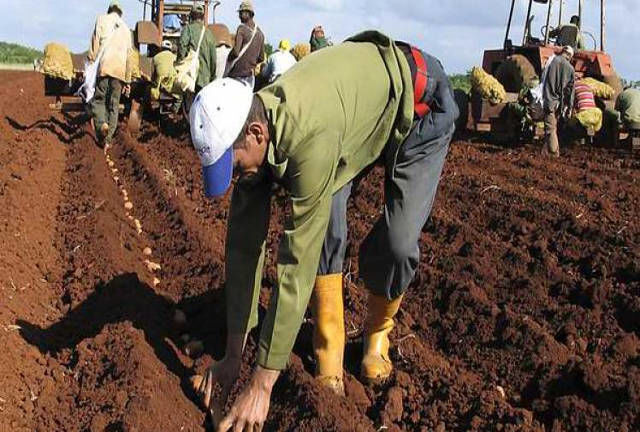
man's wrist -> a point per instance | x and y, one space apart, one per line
265 378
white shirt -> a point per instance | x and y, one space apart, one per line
278 63
222 53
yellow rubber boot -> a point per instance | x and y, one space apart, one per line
328 334
376 363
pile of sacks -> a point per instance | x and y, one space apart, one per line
57 62
487 86
600 89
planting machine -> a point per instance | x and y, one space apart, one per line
150 33
520 65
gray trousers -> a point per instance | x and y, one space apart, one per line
390 254
106 104
551 142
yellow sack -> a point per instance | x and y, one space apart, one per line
301 50
57 61
600 89
591 118
487 86
134 64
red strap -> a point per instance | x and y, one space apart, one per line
421 108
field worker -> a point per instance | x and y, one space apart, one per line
188 41
248 49
112 35
628 105
557 97
164 75
314 140
279 62
318 39
569 34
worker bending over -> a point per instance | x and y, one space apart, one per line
314 140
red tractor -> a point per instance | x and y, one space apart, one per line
517 66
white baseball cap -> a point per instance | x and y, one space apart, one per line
569 50
217 116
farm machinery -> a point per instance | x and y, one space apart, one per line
518 67
149 33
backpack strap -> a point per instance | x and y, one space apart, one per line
422 78
204 29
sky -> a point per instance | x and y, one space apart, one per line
456 31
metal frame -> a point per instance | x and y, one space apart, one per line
158 8
550 4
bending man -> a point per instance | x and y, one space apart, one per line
314 140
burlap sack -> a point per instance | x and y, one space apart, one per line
57 61
487 86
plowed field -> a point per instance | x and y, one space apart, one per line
525 315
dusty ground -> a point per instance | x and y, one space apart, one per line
525 315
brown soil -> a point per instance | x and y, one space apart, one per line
525 315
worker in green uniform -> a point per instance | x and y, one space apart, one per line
628 105
569 34
189 40
314 140
625 117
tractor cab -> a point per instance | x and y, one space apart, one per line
166 19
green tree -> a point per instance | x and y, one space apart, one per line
461 82
17 54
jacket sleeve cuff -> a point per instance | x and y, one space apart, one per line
272 361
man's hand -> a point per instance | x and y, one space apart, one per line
225 373
250 410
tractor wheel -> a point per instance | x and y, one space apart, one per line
462 100
516 72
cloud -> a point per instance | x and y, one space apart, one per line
325 5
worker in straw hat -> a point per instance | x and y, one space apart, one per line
112 39
314 140
557 96
279 62
248 49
